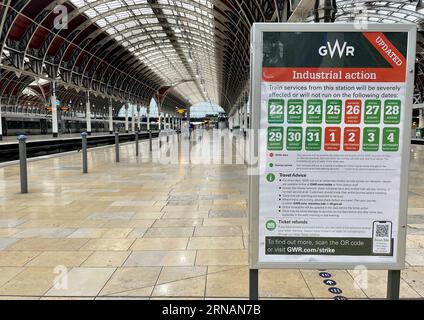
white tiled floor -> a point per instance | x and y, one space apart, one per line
149 230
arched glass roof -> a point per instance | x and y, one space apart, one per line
203 109
393 11
175 38
128 51
361 12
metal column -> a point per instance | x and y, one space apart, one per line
160 122
148 119
137 146
241 121
138 119
188 121
132 120
148 129
246 120
23 163
126 119
110 117
88 114
6 6
167 126
55 125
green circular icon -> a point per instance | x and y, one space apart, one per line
270 177
271 225
271 165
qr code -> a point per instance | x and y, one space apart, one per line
382 230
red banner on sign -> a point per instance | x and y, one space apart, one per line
334 74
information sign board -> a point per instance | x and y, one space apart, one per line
332 106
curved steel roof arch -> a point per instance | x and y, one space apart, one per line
93 35
380 9
212 48
47 51
116 23
120 9
376 17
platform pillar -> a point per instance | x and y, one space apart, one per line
132 120
138 119
150 131
148 119
110 117
242 120
126 119
88 114
167 126
159 121
246 121
137 145
55 125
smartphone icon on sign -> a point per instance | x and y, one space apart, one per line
382 238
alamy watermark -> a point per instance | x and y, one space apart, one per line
62 17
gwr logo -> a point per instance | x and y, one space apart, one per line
331 50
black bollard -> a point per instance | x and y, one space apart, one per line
137 149
23 163
151 142
84 152
117 146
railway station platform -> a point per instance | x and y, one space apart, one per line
38 146
49 137
142 229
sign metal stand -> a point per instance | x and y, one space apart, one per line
393 285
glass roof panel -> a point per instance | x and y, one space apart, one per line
380 11
188 23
